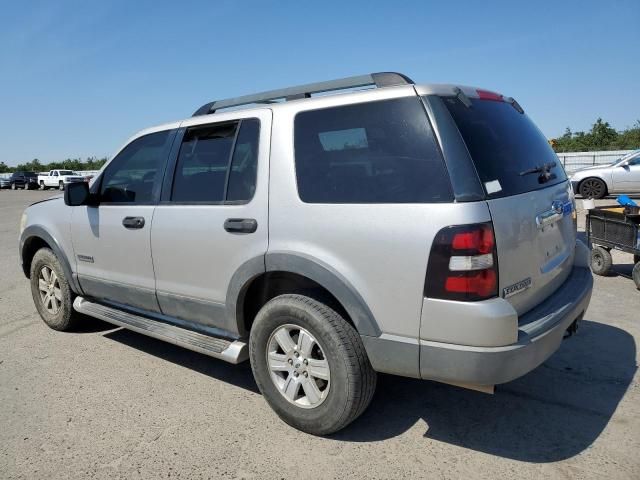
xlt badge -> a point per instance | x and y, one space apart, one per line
516 288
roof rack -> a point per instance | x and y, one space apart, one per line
381 79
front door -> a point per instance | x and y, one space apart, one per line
626 178
111 241
213 215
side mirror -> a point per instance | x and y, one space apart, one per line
76 194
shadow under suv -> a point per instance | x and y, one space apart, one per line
419 230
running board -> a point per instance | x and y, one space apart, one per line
228 350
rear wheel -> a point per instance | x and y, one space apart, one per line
593 188
310 364
42 186
600 261
635 274
13 186
51 292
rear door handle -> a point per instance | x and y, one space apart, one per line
240 225
133 223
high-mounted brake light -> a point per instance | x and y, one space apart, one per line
487 95
463 264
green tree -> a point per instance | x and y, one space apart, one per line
602 136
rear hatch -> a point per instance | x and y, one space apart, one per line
531 204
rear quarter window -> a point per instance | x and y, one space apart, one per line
376 152
504 144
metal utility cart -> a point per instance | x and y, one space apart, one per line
613 227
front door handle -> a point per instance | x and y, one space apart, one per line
240 225
133 222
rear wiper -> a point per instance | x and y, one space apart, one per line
544 170
545 167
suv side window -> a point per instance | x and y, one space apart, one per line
217 163
131 176
376 152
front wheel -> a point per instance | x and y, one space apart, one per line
310 364
51 292
13 186
61 186
593 188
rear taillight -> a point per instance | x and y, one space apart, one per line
463 264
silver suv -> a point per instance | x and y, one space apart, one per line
418 230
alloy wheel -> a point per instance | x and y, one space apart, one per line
49 287
592 188
298 367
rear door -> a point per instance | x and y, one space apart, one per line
213 215
527 192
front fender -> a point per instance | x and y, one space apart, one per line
33 233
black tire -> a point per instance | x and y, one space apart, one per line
592 188
66 318
635 274
13 186
42 186
636 258
61 185
600 261
352 379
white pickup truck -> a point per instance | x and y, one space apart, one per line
58 179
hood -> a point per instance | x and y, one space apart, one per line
55 197
595 167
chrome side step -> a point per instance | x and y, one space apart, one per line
228 350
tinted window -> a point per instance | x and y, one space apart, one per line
202 170
131 176
244 166
504 144
378 152
30 174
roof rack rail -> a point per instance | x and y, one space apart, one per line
381 79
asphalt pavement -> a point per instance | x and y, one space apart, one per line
105 402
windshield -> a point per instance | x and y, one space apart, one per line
510 154
628 156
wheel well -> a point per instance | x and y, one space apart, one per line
271 284
29 249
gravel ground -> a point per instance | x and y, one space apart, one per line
108 403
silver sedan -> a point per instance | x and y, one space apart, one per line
621 176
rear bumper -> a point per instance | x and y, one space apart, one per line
539 335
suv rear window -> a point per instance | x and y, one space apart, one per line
504 144
377 152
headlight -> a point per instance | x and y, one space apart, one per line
23 222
